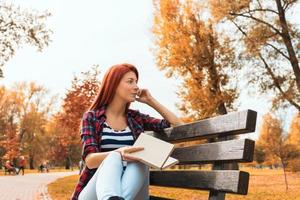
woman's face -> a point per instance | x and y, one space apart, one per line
127 88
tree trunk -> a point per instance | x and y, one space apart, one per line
15 162
288 43
285 178
31 160
68 162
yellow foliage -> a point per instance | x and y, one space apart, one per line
256 40
270 138
294 132
221 8
188 47
277 147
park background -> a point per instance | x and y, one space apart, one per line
44 93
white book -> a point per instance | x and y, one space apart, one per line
156 152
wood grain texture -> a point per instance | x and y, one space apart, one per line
229 181
227 151
230 124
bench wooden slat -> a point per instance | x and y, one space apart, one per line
231 181
228 151
224 125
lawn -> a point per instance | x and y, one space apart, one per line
265 184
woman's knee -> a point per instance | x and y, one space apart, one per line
141 167
114 156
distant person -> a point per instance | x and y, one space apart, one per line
41 168
9 167
21 165
46 167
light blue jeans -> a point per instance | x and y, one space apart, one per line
111 180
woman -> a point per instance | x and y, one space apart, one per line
21 165
108 131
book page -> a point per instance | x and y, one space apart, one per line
170 162
155 151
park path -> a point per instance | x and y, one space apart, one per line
30 186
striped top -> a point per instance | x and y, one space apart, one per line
112 139
92 124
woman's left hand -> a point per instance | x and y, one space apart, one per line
144 96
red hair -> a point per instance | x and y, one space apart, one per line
110 83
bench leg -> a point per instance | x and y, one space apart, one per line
214 195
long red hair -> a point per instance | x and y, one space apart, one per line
110 83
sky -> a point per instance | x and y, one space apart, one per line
101 32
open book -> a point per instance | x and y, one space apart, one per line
156 152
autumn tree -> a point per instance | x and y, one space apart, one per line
294 132
24 112
19 27
259 154
35 106
67 122
294 138
9 142
275 143
268 42
189 47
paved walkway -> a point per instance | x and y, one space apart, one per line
29 186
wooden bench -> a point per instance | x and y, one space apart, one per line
223 150
9 171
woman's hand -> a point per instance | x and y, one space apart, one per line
125 152
144 96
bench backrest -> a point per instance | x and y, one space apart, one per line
223 154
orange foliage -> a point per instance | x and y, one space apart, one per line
294 133
189 48
65 124
268 44
9 141
276 145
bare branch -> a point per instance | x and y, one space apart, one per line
277 84
258 20
259 4
261 9
285 5
240 29
278 50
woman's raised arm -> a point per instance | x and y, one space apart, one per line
145 97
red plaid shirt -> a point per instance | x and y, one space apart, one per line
91 128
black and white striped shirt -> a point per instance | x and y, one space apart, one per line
112 139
